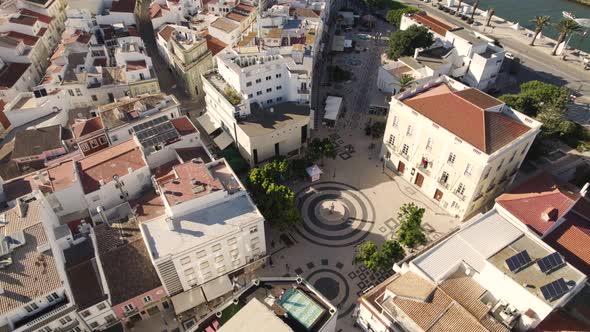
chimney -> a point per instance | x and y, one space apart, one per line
417 52
23 207
550 214
103 216
170 223
584 190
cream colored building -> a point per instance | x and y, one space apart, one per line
458 145
187 54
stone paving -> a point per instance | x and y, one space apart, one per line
356 199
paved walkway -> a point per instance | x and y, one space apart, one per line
551 68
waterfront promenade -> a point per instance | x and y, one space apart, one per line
550 68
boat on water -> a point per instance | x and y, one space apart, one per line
569 15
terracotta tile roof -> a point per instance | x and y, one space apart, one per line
529 200
79 36
132 31
247 39
462 114
561 321
224 24
156 10
136 65
123 253
33 142
236 16
106 163
457 319
85 127
27 39
62 175
214 45
166 32
183 125
11 73
85 284
411 286
181 188
303 12
467 292
148 207
123 6
571 239
274 33
424 314
478 98
41 32
32 274
432 23
43 18
24 20
245 8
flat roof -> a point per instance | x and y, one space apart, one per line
32 142
191 180
532 275
198 227
468 35
129 110
263 121
225 24
255 316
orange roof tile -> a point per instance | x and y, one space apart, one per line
432 23
62 175
214 45
571 239
529 200
103 165
11 73
82 128
136 65
166 32
463 114
27 39
236 16
183 125
43 18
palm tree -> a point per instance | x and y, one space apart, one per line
540 23
404 81
459 7
565 27
475 5
491 13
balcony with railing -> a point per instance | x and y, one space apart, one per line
425 166
443 182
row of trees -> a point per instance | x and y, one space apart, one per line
409 234
564 28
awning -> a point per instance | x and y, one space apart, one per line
207 124
223 140
187 300
313 170
333 105
217 287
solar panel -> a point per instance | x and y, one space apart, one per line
518 261
551 262
554 289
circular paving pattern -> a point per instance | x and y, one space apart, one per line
334 214
334 286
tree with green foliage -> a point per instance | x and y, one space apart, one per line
318 149
404 42
376 4
377 129
391 253
232 95
546 102
540 23
274 199
394 16
410 231
404 81
375 258
565 28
